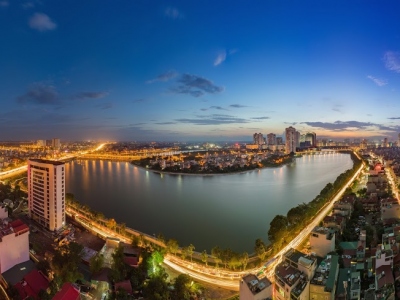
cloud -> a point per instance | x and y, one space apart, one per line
41 22
218 107
394 118
173 13
196 86
349 126
392 61
165 123
91 95
237 105
164 77
214 119
105 105
40 93
378 82
4 3
261 118
220 58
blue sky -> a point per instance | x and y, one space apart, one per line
198 70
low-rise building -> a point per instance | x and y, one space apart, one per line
323 284
14 244
293 274
322 241
254 288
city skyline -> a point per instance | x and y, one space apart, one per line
180 70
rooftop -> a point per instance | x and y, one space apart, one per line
325 274
256 284
47 161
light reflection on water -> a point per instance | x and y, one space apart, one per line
228 211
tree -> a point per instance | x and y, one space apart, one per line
96 263
204 257
216 254
260 249
172 246
182 287
111 223
277 230
156 260
245 259
65 262
118 268
156 288
190 250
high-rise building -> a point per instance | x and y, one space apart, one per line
291 140
312 138
271 139
258 139
46 192
55 143
41 143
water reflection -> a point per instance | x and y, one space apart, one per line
228 211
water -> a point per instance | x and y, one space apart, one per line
229 211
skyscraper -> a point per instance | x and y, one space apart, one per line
46 192
291 140
258 139
271 139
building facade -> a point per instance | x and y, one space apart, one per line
46 192
14 244
291 140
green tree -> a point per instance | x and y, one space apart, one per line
172 246
216 254
277 230
245 260
190 250
118 268
65 262
260 249
156 288
96 263
204 257
182 287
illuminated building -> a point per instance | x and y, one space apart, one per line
254 288
258 139
322 241
291 140
14 243
323 284
292 276
46 192
271 139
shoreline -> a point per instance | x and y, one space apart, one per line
206 174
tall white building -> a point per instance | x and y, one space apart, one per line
46 192
14 242
291 140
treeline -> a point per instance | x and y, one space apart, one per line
284 228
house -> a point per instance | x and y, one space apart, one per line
67 292
254 288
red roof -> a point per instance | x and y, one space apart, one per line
125 285
19 226
67 292
32 284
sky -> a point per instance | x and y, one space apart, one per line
142 70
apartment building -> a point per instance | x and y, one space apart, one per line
46 192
